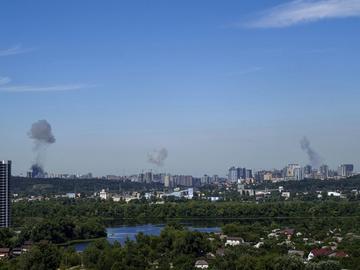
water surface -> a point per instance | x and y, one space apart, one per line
121 233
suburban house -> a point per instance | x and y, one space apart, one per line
4 253
288 232
234 241
16 251
201 264
328 252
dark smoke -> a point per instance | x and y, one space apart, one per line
42 136
314 158
41 133
37 171
158 157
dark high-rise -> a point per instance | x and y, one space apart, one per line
5 175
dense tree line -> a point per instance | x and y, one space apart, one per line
183 210
52 186
56 230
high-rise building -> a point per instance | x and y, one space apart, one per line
324 171
248 174
205 179
149 177
308 171
214 178
233 174
298 173
5 175
294 172
241 173
346 170
167 181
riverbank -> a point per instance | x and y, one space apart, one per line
80 241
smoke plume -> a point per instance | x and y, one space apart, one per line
42 136
314 158
37 171
158 157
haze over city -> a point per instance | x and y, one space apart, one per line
189 87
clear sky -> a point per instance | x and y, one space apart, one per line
217 83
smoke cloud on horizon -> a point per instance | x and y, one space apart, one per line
314 158
41 134
158 157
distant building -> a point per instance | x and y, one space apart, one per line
5 176
346 170
324 171
215 178
167 181
333 194
70 195
286 195
298 173
187 194
182 180
294 172
205 179
268 176
141 178
248 174
103 194
307 170
241 173
233 174
149 178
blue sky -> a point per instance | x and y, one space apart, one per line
218 83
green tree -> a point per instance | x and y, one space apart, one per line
43 256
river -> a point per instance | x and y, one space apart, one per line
121 233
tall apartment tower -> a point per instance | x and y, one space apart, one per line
5 175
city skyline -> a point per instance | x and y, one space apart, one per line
307 171
213 83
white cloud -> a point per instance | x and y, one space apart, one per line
4 80
51 88
17 49
304 11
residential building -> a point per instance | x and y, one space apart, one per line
233 174
345 170
205 179
298 173
201 264
4 253
294 172
307 170
103 194
234 241
324 171
5 176
167 181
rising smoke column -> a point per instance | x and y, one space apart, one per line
158 157
42 136
314 158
